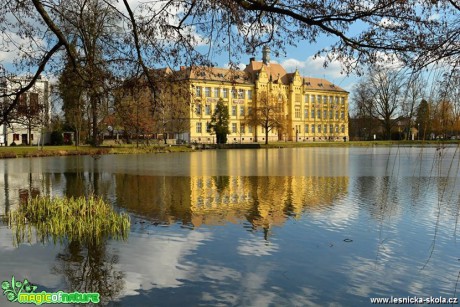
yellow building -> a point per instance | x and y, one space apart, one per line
311 109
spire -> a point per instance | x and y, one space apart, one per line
266 55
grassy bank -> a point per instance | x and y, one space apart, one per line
47 151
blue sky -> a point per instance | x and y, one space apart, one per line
301 57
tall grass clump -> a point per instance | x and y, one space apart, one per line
87 220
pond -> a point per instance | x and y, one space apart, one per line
267 227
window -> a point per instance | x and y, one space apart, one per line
242 128
15 137
343 100
298 98
198 91
233 110
225 92
324 114
325 128
198 127
331 128
233 127
249 94
312 128
319 99
312 113
198 109
249 110
306 128
262 129
208 127
297 112
234 93
307 98
331 100
342 115
331 114
319 128
240 94
336 114
216 92
22 105
318 114
242 111
250 129
325 99
207 91
336 128
33 102
305 113
343 128
313 100
280 98
336 100
207 109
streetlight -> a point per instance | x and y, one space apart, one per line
418 131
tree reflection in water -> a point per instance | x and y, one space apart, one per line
90 268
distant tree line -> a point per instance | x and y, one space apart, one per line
395 103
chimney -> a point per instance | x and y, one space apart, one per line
266 55
252 60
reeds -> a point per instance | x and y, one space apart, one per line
88 220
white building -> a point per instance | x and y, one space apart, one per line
26 124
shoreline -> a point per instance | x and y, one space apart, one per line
55 151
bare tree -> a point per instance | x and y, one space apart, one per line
414 93
362 123
381 94
268 113
132 109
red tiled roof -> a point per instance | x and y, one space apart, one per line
274 71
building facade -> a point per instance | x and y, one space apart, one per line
310 109
26 123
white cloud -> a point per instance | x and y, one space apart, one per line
167 252
256 247
314 67
388 23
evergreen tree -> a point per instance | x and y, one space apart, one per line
219 122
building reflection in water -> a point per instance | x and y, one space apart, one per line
214 200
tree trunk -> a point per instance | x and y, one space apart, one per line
266 135
94 119
29 131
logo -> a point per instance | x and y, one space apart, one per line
24 293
